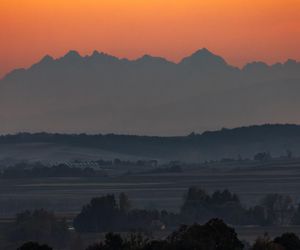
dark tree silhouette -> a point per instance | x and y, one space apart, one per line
279 208
39 226
263 156
124 203
99 215
289 241
265 243
198 206
34 246
214 235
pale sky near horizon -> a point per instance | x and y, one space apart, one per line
238 30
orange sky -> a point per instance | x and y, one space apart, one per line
239 30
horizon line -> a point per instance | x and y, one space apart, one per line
145 135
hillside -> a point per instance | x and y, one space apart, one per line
226 143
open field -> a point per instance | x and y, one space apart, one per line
148 190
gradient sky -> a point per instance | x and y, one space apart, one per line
239 30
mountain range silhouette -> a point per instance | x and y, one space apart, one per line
148 95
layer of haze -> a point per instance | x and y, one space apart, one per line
240 30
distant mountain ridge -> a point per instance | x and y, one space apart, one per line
201 58
148 95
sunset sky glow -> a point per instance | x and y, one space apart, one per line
239 30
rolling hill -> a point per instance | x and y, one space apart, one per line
242 142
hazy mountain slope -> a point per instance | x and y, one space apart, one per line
149 95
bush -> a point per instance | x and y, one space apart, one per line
39 226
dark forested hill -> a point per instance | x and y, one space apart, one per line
225 143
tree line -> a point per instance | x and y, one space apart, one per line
106 213
39 170
109 213
162 146
213 235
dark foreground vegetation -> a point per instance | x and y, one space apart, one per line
108 214
39 225
213 235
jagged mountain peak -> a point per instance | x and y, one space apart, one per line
71 55
96 53
256 65
203 58
291 63
151 59
101 57
44 62
46 59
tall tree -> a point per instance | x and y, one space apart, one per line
124 202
